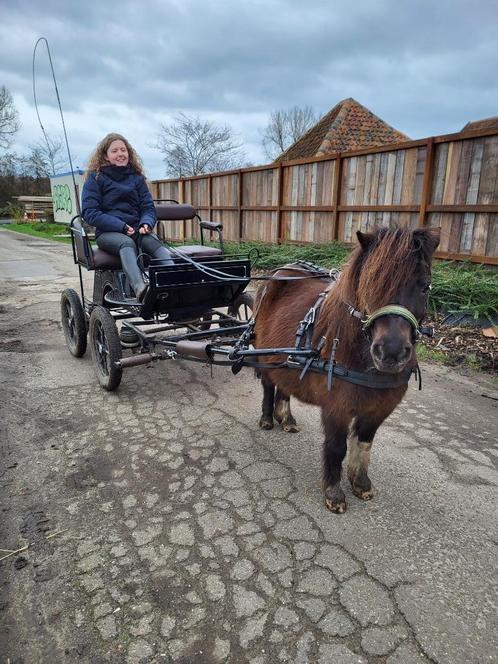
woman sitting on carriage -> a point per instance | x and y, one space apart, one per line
116 200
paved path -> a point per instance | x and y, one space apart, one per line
190 536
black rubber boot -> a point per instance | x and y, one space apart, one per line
133 272
163 254
153 246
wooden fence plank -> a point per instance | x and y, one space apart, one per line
488 186
409 172
472 192
398 176
349 198
492 240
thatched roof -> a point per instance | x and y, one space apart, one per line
348 126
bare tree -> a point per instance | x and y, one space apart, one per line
48 157
18 176
285 127
192 146
9 119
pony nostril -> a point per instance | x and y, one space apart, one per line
378 351
406 352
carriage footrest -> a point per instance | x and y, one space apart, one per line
113 297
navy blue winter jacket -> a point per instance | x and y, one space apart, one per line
115 197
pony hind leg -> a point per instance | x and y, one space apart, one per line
360 444
266 420
282 412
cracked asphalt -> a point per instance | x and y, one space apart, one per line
164 526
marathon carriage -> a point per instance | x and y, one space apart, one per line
191 307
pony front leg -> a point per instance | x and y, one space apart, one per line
360 443
282 412
334 451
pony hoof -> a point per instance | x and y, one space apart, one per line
291 427
265 423
363 494
337 507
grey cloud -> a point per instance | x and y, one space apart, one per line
425 67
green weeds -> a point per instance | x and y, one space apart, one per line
464 288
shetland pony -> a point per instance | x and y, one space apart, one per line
390 266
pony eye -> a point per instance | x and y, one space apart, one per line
427 288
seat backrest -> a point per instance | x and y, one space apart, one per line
82 249
174 211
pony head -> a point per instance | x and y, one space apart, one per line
393 270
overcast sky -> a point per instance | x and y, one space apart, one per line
426 67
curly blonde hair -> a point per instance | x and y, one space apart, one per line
98 158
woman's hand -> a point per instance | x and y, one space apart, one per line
130 230
145 229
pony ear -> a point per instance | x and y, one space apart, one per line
365 239
429 238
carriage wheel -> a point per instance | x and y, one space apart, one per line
106 348
73 322
242 307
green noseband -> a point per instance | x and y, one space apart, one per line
392 310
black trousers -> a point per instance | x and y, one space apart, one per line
150 244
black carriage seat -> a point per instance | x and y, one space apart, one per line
94 258
174 211
90 257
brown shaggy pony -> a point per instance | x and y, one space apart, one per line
389 267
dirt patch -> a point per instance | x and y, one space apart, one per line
94 470
12 346
464 346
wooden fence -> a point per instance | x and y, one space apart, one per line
448 181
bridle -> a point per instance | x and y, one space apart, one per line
390 310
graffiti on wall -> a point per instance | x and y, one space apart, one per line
61 198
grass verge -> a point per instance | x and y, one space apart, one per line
41 229
426 354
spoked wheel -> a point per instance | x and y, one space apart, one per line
242 307
106 348
73 322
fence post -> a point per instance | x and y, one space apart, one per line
279 202
210 196
336 196
239 195
181 199
427 182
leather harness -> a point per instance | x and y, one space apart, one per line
312 360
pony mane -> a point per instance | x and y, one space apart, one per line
387 261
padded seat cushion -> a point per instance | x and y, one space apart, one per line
198 250
105 261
